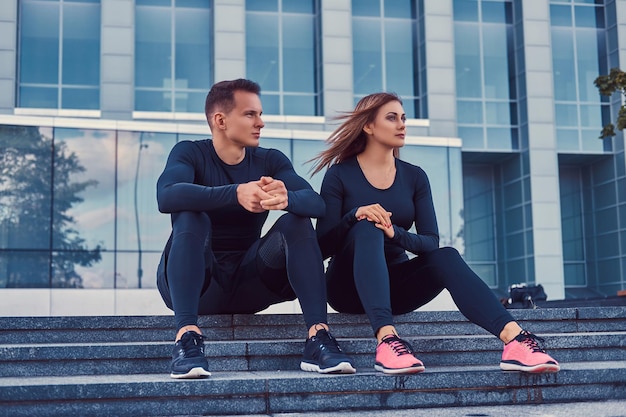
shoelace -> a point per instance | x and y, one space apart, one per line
193 344
532 341
329 342
399 346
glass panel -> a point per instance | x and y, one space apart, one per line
262 50
304 150
470 111
39 97
365 7
497 12
498 113
24 269
563 63
473 137
193 49
70 269
81 98
567 139
467 54
84 191
591 116
39 43
81 46
298 55
590 17
299 105
566 115
560 15
434 160
486 272
298 6
153 51
399 57
271 103
140 161
367 64
399 8
25 199
134 271
153 101
262 5
588 65
499 138
574 274
466 10
496 63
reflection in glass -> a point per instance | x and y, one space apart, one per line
140 225
25 187
387 52
59 54
24 269
467 56
173 68
281 55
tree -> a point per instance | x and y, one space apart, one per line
607 85
34 204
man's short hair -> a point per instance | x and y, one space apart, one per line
222 95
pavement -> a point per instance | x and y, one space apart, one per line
580 409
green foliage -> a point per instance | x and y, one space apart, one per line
34 210
607 85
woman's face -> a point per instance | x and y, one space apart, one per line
388 128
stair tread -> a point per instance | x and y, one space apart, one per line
287 375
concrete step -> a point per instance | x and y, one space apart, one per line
139 357
270 392
24 330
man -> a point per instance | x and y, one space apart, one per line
218 193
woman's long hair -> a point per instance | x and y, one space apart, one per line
349 139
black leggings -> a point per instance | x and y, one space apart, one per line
283 264
360 281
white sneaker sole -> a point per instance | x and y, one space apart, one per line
536 369
391 371
194 373
341 368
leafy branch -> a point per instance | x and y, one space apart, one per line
607 85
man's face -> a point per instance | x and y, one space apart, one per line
243 123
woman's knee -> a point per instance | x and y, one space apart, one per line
365 230
445 255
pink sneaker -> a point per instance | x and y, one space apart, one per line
525 354
395 356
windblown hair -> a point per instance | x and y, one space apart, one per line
221 97
349 139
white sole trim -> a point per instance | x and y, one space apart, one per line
411 370
341 368
536 369
193 373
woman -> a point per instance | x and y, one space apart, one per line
372 199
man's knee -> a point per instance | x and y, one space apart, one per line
291 225
191 222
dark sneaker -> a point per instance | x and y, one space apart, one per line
395 356
188 360
322 354
525 354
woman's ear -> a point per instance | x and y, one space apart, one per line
367 129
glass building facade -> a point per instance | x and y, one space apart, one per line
502 114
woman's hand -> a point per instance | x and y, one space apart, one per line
376 214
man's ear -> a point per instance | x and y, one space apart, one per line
219 121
